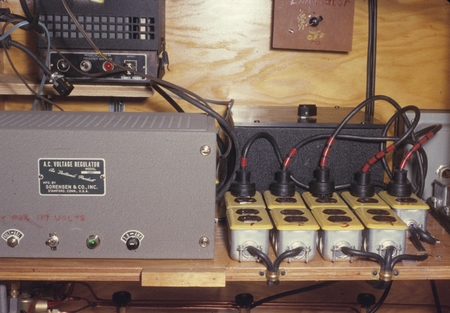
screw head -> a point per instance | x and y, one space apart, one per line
204 242
205 150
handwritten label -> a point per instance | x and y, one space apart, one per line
333 3
315 36
43 218
301 20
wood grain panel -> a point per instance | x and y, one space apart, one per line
222 50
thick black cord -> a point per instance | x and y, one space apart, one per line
225 160
410 131
437 302
310 139
266 136
364 254
12 43
168 98
229 130
371 57
256 252
424 235
290 293
33 20
382 298
384 150
286 254
409 257
388 254
349 117
415 238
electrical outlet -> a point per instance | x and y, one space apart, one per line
332 201
294 228
274 202
256 202
383 228
313 25
247 227
412 210
374 202
339 228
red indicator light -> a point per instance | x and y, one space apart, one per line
108 66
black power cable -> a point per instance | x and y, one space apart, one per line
291 293
11 43
371 57
382 298
33 19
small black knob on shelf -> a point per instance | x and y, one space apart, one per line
121 298
366 300
307 110
244 300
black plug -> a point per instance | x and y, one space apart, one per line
321 185
399 186
242 186
282 186
361 187
62 86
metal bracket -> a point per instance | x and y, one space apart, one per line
116 105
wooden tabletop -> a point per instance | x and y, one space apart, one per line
216 272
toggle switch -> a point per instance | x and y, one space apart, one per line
315 20
52 241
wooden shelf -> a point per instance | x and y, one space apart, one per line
12 85
220 270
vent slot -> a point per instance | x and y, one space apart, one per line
102 121
101 27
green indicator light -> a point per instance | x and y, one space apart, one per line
92 242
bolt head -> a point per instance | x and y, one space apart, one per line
204 242
205 150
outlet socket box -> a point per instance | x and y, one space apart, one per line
383 228
294 227
412 210
247 227
339 228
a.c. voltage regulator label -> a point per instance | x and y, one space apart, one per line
72 177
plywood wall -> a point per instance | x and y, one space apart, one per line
222 50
